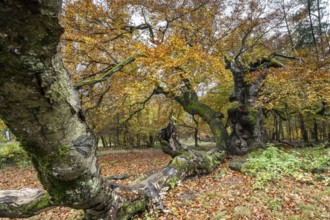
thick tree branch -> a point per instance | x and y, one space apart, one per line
191 104
301 61
128 199
126 30
267 62
189 163
108 74
130 29
105 70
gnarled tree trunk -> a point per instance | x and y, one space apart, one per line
40 106
244 118
246 122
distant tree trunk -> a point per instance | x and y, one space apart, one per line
195 131
275 133
138 140
315 133
289 129
287 25
151 141
138 135
296 129
104 141
126 138
303 128
325 130
118 131
281 129
7 134
110 140
320 28
97 141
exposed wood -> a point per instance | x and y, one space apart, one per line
32 201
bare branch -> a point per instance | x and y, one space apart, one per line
301 61
143 103
101 96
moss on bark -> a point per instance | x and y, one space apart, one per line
40 204
233 106
131 208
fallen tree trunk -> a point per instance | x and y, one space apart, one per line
24 203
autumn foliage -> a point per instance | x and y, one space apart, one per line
170 41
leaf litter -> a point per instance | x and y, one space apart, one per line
224 194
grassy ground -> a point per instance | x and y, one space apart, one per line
224 194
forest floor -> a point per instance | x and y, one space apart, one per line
224 194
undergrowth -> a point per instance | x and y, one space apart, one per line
306 165
11 154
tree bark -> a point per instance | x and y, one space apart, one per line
33 201
245 120
303 128
104 141
315 131
196 131
40 106
169 141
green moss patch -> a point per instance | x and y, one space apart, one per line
12 154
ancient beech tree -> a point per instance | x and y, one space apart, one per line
41 107
244 117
